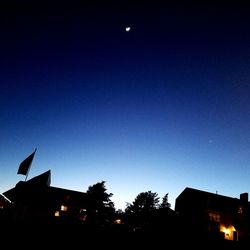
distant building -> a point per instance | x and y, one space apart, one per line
214 216
35 201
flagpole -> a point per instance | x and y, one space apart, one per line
29 169
27 175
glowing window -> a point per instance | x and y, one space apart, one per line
57 213
117 221
214 217
228 232
83 210
64 208
240 210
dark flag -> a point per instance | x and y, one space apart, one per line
25 164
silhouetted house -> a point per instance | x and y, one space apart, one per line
214 216
35 201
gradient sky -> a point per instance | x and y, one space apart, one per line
159 108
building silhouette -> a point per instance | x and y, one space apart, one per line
214 216
198 215
36 201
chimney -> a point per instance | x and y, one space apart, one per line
244 197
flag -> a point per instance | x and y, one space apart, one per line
25 164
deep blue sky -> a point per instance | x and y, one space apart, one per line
159 108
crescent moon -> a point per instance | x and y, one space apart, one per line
127 28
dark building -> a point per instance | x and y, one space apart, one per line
214 216
36 201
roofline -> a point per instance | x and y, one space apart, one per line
209 193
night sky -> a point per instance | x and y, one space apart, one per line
159 108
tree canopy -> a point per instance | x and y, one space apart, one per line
101 208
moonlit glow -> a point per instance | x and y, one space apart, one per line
128 28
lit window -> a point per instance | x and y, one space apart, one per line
240 210
64 208
83 214
83 210
57 213
117 221
214 217
228 232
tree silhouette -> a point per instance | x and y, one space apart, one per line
165 203
144 201
139 213
101 209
